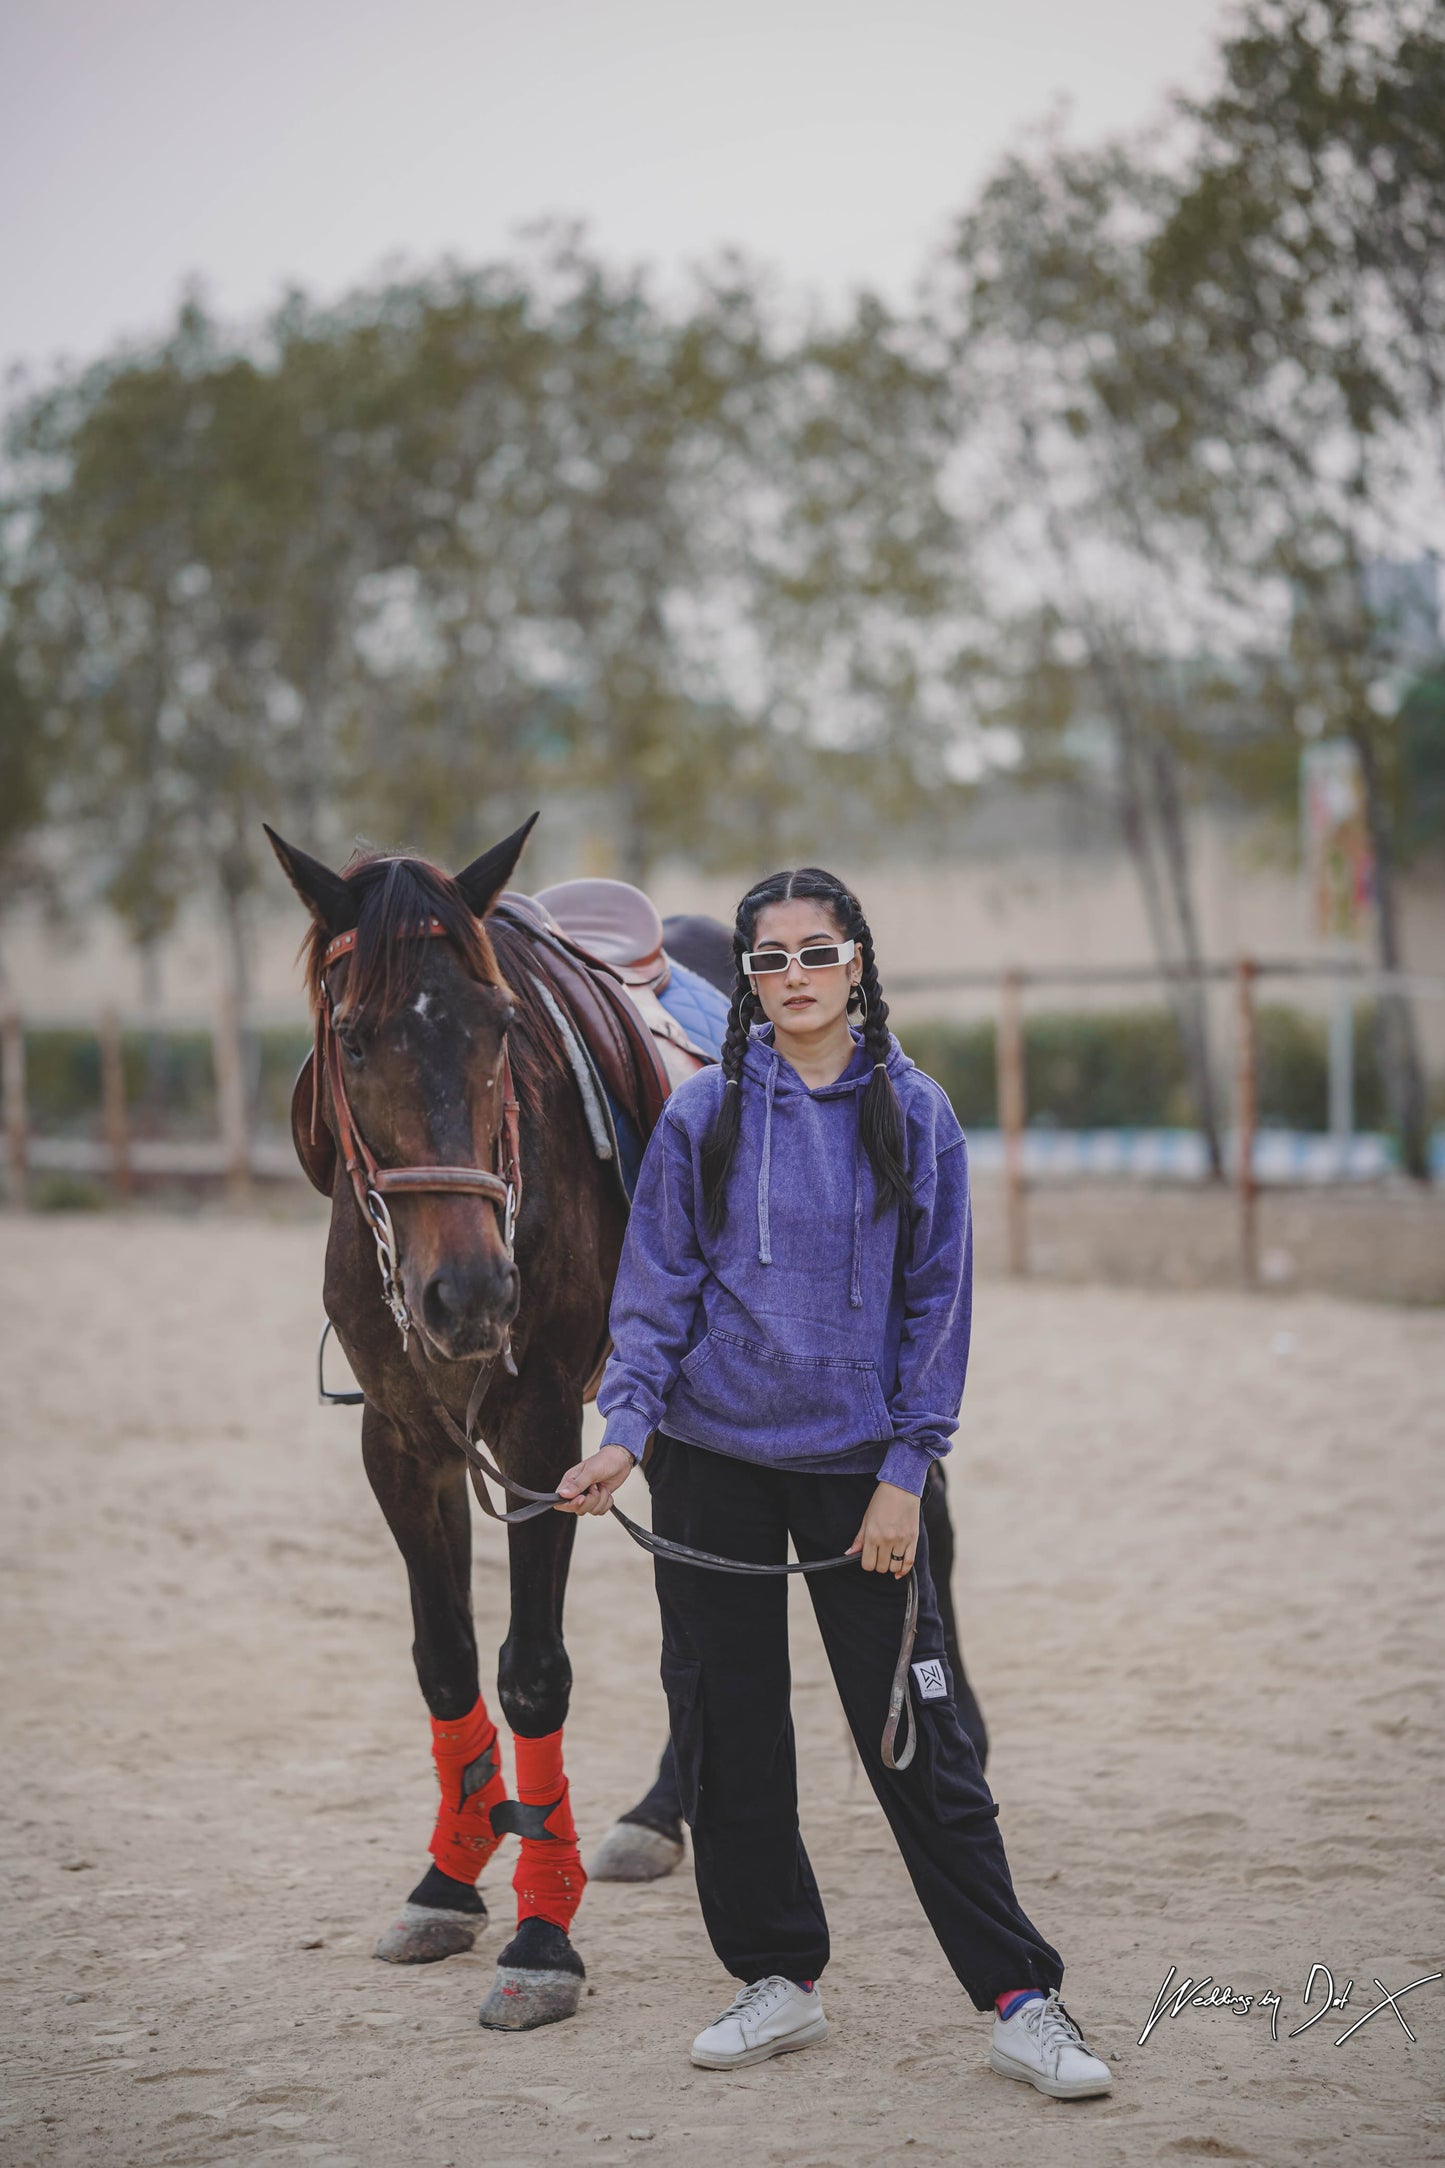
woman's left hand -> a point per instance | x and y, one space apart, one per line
888 1538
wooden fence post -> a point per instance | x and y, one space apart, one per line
1246 1112
231 1094
17 1122
112 1093
1011 1115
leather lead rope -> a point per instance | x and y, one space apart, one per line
482 1471
370 1184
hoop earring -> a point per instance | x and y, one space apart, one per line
862 1003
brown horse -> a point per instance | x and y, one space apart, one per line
440 1057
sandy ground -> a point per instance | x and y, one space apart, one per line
1200 1546
1379 1242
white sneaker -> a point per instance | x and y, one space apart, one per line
1042 2045
772 2017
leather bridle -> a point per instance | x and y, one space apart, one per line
372 1184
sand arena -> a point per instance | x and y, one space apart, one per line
1200 1544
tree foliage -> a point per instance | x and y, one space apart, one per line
1126 499
463 541
1204 377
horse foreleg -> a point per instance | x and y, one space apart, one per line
427 1510
645 1843
539 1974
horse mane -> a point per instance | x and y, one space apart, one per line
398 894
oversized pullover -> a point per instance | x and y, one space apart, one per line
805 1333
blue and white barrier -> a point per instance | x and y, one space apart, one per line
1281 1156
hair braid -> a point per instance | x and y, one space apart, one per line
722 1140
880 1113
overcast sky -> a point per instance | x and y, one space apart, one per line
256 144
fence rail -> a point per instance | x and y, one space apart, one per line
1421 986
238 1158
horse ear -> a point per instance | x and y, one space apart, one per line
484 879
329 899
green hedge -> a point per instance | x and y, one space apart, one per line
1294 1070
1125 1069
170 1080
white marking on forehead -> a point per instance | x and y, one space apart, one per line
420 1004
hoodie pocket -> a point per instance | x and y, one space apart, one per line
754 1399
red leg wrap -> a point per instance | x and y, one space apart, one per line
469 1770
549 1880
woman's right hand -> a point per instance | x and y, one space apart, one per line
588 1487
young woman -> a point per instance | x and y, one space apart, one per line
790 1329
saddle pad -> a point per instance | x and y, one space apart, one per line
629 1145
698 1006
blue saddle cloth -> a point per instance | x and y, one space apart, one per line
698 1006
629 1145
703 1014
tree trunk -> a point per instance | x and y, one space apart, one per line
1193 1006
1139 788
153 1089
236 927
1401 1070
631 841
1139 795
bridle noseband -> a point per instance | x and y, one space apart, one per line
373 1184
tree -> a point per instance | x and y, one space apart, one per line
859 580
1200 404
149 595
1303 262
26 777
671 558
1057 349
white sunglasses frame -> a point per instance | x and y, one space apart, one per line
847 950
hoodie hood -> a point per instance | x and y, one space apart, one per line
767 1070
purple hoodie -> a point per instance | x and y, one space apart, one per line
804 1333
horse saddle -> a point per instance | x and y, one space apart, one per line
627 1052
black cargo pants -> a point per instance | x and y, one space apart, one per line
726 1673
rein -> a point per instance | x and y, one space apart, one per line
372 1184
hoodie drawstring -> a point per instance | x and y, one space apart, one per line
765 1248
765 1253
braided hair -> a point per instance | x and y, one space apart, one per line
880 1114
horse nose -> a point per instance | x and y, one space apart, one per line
465 1311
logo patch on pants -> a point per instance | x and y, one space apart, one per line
931 1679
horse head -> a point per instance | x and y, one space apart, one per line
412 1078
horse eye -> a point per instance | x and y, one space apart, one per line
350 1044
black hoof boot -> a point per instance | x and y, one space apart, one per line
441 1918
539 1980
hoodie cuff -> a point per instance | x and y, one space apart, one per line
907 1466
629 1428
